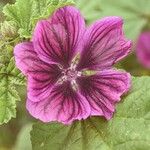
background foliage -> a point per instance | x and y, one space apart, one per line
130 127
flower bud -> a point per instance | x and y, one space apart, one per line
9 29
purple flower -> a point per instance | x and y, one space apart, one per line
143 49
57 63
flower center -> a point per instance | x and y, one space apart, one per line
71 74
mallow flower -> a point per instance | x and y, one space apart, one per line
143 49
69 67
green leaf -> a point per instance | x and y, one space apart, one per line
136 14
8 98
9 77
129 129
15 76
5 53
26 12
8 68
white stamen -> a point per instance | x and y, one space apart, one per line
70 74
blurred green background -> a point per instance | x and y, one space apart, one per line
15 135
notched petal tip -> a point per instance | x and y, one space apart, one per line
41 76
64 105
109 21
23 53
104 90
126 50
104 44
57 40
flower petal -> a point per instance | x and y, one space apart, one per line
64 105
143 49
25 57
57 40
104 44
103 90
41 76
41 81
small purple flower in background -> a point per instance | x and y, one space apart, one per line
57 63
143 49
